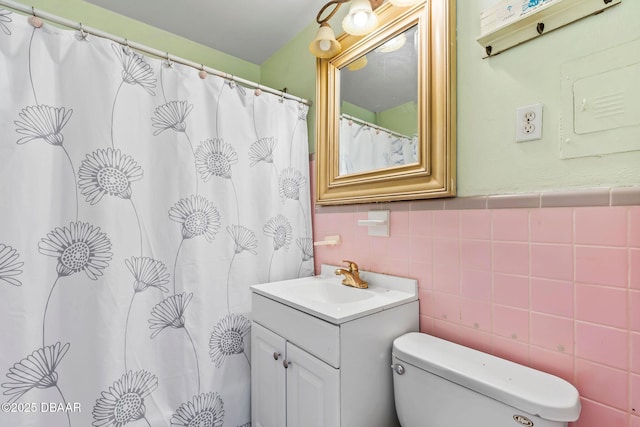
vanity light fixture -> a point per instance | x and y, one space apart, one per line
325 44
359 21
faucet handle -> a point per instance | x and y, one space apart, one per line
352 265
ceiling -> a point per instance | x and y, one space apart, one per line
388 80
248 29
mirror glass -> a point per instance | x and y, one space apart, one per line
379 106
385 119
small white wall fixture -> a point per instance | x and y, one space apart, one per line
328 241
378 223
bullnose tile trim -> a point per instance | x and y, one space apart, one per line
618 196
578 198
625 196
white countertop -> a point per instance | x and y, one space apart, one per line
325 297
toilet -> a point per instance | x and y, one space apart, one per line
438 383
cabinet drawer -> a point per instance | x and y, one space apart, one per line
316 336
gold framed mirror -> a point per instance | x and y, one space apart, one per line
417 118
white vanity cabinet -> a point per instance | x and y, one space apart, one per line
286 393
310 369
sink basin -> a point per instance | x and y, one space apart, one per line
327 291
325 296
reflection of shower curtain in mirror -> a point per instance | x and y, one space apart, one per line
365 147
139 203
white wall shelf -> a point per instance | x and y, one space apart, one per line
548 17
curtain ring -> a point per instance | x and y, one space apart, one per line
169 61
83 33
126 48
34 20
258 91
202 73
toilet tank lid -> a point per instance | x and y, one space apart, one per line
524 388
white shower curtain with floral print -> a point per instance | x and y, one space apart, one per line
139 203
365 147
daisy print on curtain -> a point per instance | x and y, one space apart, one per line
215 158
228 338
36 371
5 20
142 202
291 181
172 115
135 72
169 313
148 273
40 121
10 267
124 401
203 410
79 247
198 217
43 122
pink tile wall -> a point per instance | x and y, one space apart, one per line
557 289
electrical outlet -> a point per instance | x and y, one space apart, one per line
529 123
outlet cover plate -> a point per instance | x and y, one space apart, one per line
529 123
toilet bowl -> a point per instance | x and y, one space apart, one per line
438 383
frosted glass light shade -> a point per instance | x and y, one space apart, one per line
358 63
394 44
404 3
325 44
361 19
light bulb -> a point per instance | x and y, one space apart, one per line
360 19
324 45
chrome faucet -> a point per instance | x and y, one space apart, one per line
352 276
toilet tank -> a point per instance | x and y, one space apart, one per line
438 383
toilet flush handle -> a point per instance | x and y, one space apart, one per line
398 368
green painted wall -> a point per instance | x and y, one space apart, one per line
490 90
113 23
402 119
294 67
358 112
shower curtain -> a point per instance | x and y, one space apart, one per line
365 147
139 203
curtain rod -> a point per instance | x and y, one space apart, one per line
30 10
376 127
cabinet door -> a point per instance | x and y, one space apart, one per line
268 383
313 391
